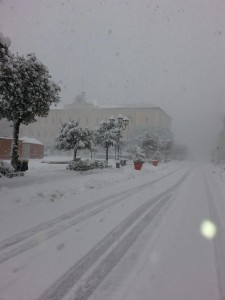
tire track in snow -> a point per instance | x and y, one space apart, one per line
33 242
113 258
67 281
70 215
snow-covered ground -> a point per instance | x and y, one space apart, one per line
113 233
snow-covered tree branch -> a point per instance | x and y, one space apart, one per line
73 137
26 91
107 134
155 143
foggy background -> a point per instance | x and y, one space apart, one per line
168 53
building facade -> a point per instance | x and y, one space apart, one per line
89 116
28 148
5 147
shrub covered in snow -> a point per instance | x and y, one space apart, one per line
5 168
73 137
87 164
139 156
107 134
101 164
157 156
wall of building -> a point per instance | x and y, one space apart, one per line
31 151
36 151
26 150
5 148
89 116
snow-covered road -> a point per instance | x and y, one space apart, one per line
113 234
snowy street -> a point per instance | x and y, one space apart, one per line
114 233
112 150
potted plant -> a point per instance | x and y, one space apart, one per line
156 158
139 159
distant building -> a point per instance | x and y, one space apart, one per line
28 148
32 148
89 115
5 147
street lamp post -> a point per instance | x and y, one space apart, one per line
123 122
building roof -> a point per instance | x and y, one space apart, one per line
26 140
89 106
129 105
6 137
29 140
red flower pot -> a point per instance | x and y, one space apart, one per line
155 162
138 165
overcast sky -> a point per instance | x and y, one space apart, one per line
168 53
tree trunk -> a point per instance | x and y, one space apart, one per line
15 146
107 153
74 154
166 156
